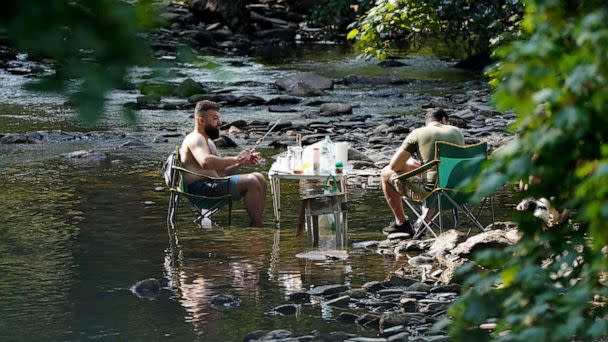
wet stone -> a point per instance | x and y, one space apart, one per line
402 336
357 293
368 320
393 330
281 109
255 335
326 290
277 335
372 286
398 281
446 288
286 309
347 317
419 287
340 301
300 297
147 288
225 301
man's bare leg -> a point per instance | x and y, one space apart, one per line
253 188
393 198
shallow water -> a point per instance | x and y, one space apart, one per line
75 236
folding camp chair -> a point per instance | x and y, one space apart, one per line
204 206
454 163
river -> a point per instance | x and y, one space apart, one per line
75 236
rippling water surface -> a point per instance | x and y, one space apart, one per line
74 236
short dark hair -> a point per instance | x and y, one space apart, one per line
202 107
436 115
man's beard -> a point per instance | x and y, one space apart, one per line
212 132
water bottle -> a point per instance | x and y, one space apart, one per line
327 156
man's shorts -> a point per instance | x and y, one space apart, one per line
215 187
414 188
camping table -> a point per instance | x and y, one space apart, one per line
275 176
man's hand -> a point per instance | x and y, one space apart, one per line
246 157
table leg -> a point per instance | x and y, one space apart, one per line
273 192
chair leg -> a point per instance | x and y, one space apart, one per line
440 216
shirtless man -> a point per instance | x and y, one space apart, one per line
199 154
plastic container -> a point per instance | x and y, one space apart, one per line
342 151
327 157
316 160
297 166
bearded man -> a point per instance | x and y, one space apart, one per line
198 153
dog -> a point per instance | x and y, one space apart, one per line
543 210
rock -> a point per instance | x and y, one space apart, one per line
392 318
335 109
133 143
357 293
277 335
402 336
147 288
300 297
398 281
204 38
189 87
224 141
323 255
372 286
445 242
438 338
238 123
391 63
286 309
421 260
255 335
347 317
249 100
147 102
365 244
219 98
88 155
356 155
21 138
282 100
446 288
408 304
369 320
398 236
280 126
281 109
278 34
310 79
159 189
303 89
326 290
225 301
340 301
419 287
372 80
487 239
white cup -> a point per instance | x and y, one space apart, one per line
341 150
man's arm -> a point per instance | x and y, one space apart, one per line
399 159
209 161
252 159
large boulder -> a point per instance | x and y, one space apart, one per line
310 79
189 87
487 239
445 242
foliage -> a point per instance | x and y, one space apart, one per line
476 25
391 20
335 15
469 27
91 43
552 285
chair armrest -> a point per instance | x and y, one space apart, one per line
181 169
423 168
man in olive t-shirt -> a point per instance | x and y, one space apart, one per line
418 148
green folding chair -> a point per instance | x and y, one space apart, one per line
454 163
204 206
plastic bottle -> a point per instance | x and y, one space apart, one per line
327 156
316 160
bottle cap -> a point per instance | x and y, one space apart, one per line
339 164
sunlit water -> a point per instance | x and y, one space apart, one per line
75 236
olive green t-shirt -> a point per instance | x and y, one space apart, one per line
421 142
